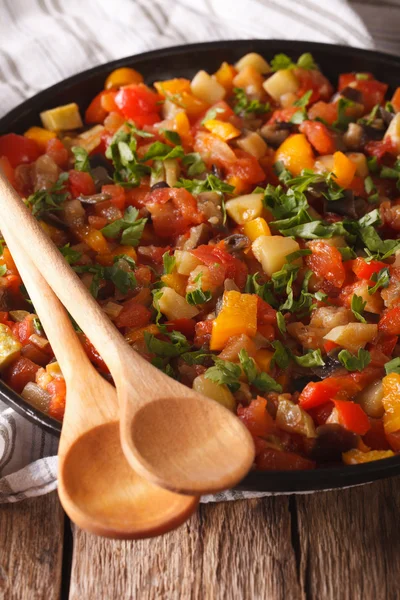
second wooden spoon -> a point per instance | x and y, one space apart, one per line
170 434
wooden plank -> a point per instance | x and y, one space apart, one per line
349 542
226 551
31 543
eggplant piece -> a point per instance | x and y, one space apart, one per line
99 160
94 198
275 133
352 94
348 206
332 439
386 116
159 186
199 234
236 242
101 177
332 364
373 133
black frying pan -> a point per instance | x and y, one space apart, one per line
184 61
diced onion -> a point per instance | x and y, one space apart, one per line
18 315
112 309
36 396
39 341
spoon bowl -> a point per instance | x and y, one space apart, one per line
152 447
104 495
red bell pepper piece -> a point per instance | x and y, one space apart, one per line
352 416
390 321
256 417
18 149
365 270
320 392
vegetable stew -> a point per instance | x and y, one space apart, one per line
241 230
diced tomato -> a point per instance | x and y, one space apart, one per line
320 392
271 459
173 211
312 79
373 92
137 197
97 222
246 168
58 392
153 254
384 343
95 112
92 353
18 149
256 417
357 185
203 331
328 346
234 268
319 136
375 437
24 329
327 111
380 148
390 321
266 315
20 372
4 319
283 115
139 103
346 78
184 325
365 270
352 416
326 262
133 315
58 152
321 413
117 193
81 183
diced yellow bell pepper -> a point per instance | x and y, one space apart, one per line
171 87
225 131
239 184
40 136
176 281
62 118
108 259
356 457
344 169
296 154
238 315
263 359
94 239
9 346
181 124
225 76
122 76
391 402
253 229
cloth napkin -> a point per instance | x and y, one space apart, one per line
45 41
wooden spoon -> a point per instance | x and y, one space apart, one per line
170 434
97 487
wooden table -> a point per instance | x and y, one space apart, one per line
336 545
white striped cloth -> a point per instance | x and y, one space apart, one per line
44 41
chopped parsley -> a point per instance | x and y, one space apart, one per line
259 379
81 159
245 106
393 366
353 362
283 61
169 262
129 225
49 200
357 307
382 280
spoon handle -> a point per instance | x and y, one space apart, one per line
15 216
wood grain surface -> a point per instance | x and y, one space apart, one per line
31 548
340 545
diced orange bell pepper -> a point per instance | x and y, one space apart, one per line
238 315
296 154
172 86
250 80
95 112
391 402
107 101
352 416
225 131
225 75
255 228
108 259
136 334
40 136
182 127
356 457
344 169
263 359
122 76
176 281
239 184
7 260
94 239
193 106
